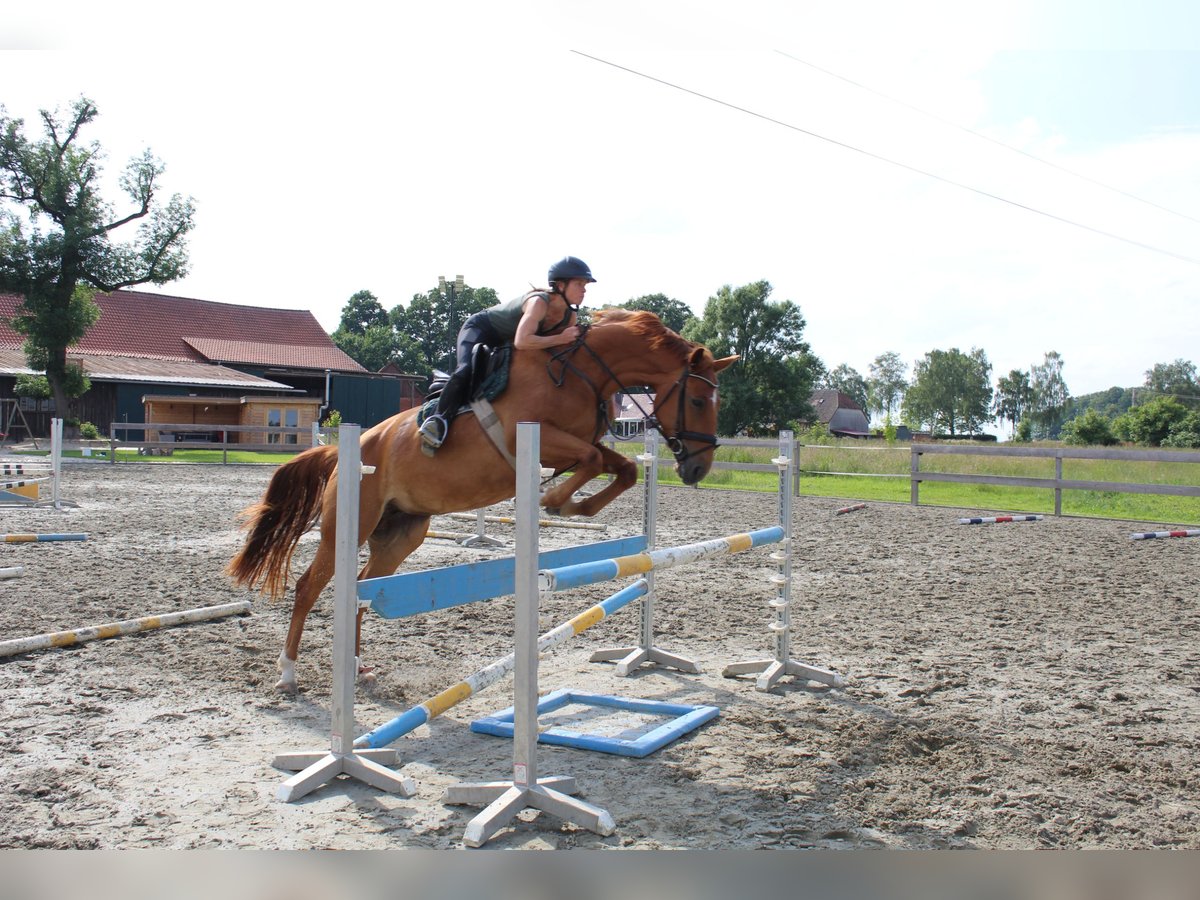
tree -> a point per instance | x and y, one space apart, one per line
951 391
1013 395
427 329
365 332
849 382
1152 423
887 384
68 252
675 314
1177 380
770 386
1049 397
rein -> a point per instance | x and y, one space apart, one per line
675 442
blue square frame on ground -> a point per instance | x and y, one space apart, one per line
685 718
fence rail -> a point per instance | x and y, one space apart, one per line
188 435
1058 484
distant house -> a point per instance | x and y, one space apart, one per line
841 415
630 412
154 357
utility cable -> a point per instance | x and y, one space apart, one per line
937 118
876 156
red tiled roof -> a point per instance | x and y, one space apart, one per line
109 367
291 356
154 326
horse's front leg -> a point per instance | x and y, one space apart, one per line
600 460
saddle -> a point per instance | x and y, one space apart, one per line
488 379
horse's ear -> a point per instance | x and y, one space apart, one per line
724 363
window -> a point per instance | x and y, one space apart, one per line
289 418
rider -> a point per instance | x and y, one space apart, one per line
539 319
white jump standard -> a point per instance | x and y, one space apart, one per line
505 799
769 671
629 659
343 758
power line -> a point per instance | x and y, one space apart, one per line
876 156
992 140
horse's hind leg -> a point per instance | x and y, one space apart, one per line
308 588
319 572
396 536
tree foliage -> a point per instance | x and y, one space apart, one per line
951 392
1089 430
886 384
1049 397
365 332
771 385
1153 423
849 382
67 252
426 330
1176 380
675 314
1013 395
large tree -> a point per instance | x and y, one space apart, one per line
887 384
1049 397
365 332
427 329
769 388
1013 395
675 314
951 391
65 250
1176 380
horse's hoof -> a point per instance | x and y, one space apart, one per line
553 510
285 687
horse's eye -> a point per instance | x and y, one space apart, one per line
698 402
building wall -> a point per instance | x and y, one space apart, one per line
257 412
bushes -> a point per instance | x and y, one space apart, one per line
1090 429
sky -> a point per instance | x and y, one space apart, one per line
1022 177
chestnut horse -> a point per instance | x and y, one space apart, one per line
568 390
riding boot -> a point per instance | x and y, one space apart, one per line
433 430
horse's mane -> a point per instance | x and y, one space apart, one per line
648 325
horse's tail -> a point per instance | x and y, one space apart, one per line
276 523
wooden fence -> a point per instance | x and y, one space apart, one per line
183 436
1058 484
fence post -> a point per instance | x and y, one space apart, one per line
1058 483
112 443
914 472
796 447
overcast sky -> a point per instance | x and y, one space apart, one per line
832 149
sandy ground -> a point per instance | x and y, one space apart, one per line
1009 686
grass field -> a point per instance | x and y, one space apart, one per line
853 471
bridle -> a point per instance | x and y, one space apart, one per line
674 442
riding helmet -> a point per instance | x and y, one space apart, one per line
569 267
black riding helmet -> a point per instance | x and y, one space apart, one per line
567 268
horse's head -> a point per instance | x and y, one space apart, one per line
683 378
685 412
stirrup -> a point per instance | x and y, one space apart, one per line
433 431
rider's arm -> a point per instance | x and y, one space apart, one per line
527 337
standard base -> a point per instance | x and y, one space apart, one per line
505 799
321 768
773 669
632 658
